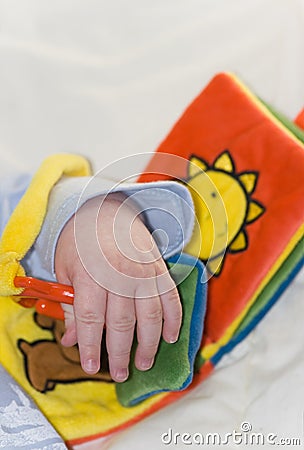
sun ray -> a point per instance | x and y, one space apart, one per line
240 242
255 210
249 181
224 162
196 165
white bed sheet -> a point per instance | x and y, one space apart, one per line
109 80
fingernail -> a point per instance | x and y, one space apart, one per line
146 363
173 339
121 374
91 365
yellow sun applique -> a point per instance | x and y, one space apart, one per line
223 207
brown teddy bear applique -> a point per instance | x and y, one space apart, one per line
47 362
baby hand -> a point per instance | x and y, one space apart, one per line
121 281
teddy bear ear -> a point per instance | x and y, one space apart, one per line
44 322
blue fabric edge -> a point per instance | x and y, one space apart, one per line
244 333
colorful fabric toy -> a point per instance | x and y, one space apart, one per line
81 406
244 165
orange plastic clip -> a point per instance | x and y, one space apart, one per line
44 296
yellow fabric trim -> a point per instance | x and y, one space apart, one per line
211 349
26 221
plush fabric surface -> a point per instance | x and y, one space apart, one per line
83 407
244 166
244 178
27 218
108 81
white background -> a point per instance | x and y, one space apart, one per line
109 79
